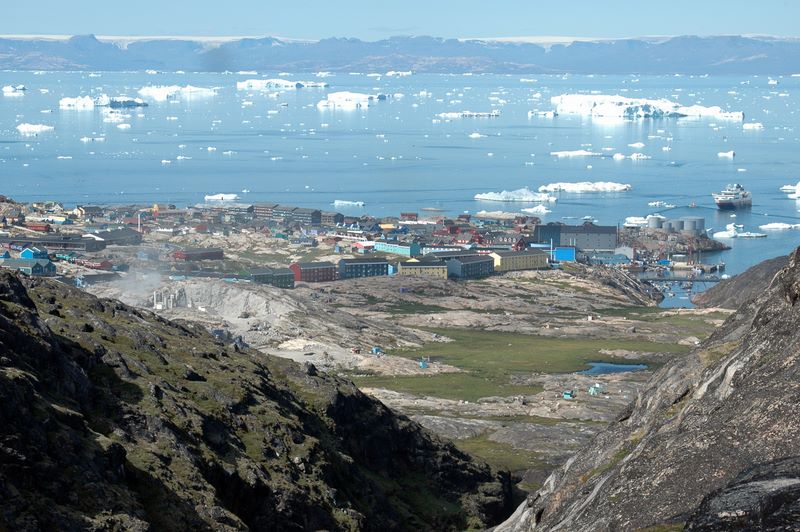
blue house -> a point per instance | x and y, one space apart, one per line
32 267
34 253
5 255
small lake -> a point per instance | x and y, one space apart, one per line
603 368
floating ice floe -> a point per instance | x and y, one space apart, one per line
33 129
753 125
469 114
575 153
615 106
476 135
585 186
662 204
123 126
638 157
636 145
347 203
778 226
162 93
726 154
543 114
539 209
790 188
400 74
346 100
14 90
221 197
64 157
280 84
522 195
86 140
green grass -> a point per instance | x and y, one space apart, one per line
412 307
489 359
499 455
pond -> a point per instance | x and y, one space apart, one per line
602 368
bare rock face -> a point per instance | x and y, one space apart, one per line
114 418
732 293
711 443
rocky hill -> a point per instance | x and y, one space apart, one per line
731 293
114 418
710 444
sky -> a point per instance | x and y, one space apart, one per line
378 19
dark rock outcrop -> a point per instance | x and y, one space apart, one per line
137 423
711 442
731 293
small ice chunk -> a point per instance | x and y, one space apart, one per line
30 130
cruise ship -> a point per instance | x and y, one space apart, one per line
733 197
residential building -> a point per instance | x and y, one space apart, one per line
506 261
282 213
263 211
32 267
331 218
313 272
470 266
305 216
353 268
423 269
88 211
34 253
398 248
279 277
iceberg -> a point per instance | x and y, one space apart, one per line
280 84
522 195
585 186
81 103
221 197
33 129
469 114
123 126
348 101
726 154
476 135
539 209
639 157
778 226
790 188
502 215
575 153
162 93
14 90
636 145
753 125
543 114
400 74
346 203
615 106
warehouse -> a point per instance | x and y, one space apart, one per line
54 243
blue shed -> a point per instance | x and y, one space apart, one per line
564 254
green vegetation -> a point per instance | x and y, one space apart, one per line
700 325
498 454
412 307
490 358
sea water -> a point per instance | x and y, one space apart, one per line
400 155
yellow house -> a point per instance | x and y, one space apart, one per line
507 261
415 268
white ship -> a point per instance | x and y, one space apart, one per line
733 197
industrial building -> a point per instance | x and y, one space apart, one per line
398 248
470 266
370 267
506 261
688 225
423 269
313 272
586 237
279 277
53 243
117 237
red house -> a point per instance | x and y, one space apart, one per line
313 272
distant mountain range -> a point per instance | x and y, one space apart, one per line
734 55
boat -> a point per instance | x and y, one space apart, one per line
733 197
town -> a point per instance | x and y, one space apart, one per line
302 245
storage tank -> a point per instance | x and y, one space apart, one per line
698 221
667 226
677 225
689 225
655 222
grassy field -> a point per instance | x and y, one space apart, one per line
499 455
490 358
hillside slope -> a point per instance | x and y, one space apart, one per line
114 418
711 443
731 293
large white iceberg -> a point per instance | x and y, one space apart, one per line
349 100
161 93
267 84
539 209
585 186
81 103
522 195
33 129
615 106
221 197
